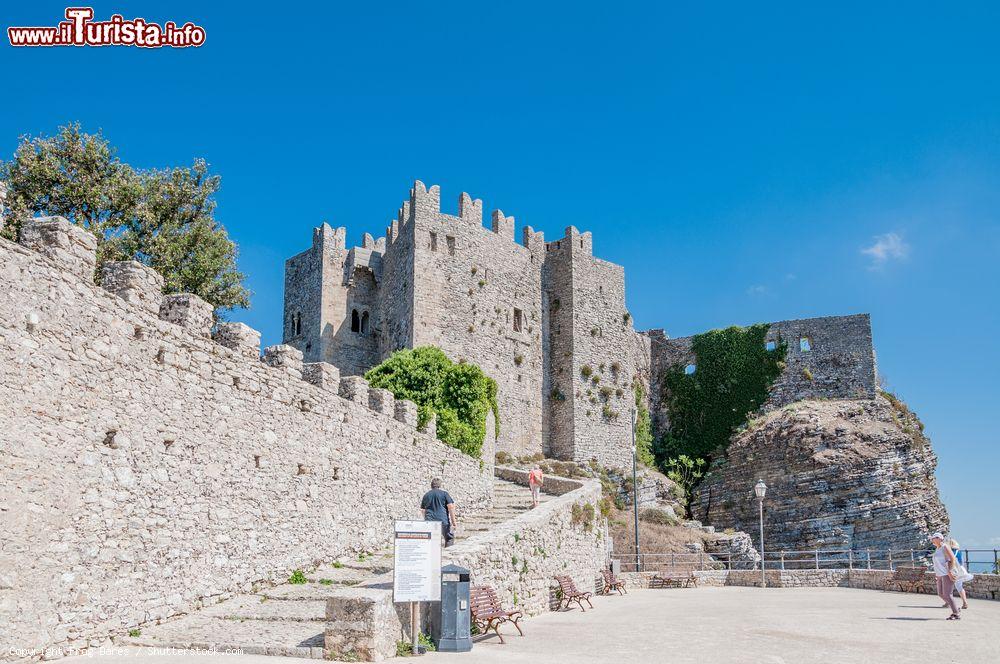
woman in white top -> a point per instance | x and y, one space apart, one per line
943 560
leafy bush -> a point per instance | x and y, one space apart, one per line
586 370
661 517
297 577
685 473
459 394
643 429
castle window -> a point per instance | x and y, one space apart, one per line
355 321
518 319
770 345
805 344
297 324
581 243
451 245
690 369
364 323
434 241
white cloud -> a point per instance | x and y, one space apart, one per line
758 290
886 248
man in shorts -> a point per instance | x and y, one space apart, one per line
437 505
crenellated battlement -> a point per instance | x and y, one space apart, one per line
72 250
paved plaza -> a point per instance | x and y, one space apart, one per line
722 626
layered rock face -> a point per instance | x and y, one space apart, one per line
840 474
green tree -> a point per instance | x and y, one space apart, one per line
162 218
459 394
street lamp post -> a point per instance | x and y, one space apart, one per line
635 494
760 489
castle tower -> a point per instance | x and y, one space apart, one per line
592 354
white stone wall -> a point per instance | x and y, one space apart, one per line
145 468
521 557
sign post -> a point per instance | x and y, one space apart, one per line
416 575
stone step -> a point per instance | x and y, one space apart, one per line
305 591
287 638
251 607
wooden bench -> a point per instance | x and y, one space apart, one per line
612 582
906 579
569 593
677 576
488 613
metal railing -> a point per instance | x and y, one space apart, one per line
979 561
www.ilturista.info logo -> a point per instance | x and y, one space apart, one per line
81 30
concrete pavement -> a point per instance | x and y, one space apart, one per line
719 626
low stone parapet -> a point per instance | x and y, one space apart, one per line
190 312
72 248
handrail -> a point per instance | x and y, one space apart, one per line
978 561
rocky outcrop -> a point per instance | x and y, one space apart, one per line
841 474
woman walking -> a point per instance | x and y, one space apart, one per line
960 582
944 560
535 481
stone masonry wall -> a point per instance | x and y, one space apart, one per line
145 468
828 358
983 586
477 296
594 354
519 558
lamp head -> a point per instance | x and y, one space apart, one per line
760 489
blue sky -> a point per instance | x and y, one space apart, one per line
744 163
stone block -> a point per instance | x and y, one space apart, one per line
240 337
354 388
322 375
190 312
431 426
73 248
406 412
284 357
382 401
135 283
361 624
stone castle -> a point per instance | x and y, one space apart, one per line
547 320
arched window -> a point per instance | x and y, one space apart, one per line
364 323
297 324
355 321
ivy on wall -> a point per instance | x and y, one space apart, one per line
460 394
731 378
643 429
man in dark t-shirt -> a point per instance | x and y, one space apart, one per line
437 505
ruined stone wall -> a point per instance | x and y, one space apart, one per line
145 467
828 358
594 354
477 296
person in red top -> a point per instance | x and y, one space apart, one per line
535 480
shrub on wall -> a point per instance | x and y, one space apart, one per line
730 379
643 429
460 394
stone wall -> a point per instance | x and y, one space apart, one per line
145 468
828 358
593 361
478 297
519 558
983 586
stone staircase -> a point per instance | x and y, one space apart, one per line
289 619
